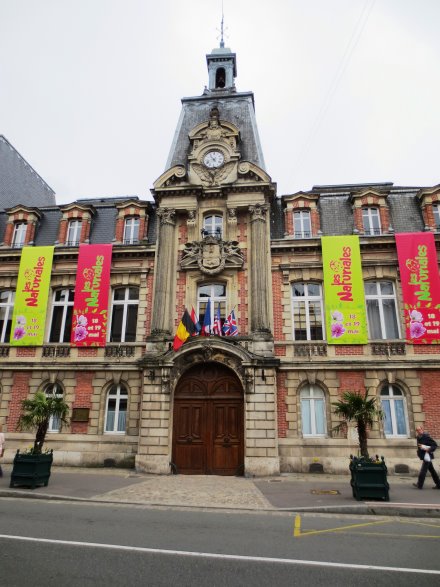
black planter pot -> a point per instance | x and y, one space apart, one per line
369 479
31 470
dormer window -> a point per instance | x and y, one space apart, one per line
302 224
131 230
213 226
19 235
74 233
371 221
436 213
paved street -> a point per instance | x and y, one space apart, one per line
52 543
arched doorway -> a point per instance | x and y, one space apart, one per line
208 429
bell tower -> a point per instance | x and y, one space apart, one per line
222 67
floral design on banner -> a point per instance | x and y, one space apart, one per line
420 286
31 296
90 312
19 330
337 327
344 293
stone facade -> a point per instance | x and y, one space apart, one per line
217 231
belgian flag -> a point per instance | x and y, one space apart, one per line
185 329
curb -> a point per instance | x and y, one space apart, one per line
366 508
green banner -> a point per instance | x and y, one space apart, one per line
29 318
345 313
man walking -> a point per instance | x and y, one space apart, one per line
425 451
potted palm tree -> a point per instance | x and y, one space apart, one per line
32 467
368 475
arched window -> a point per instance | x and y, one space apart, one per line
6 307
313 411
394 408
131 230
215 294
220 78
381 310
213 225
74 233
301 224
54 390
371 221
125 302
307 311
61 319
116 410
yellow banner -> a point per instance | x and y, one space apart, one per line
29 318
346 320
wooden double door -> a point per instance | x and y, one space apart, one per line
208 428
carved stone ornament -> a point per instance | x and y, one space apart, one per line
213 177
258 212
211 255
166 215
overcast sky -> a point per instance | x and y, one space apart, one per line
346 91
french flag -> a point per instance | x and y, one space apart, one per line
206 330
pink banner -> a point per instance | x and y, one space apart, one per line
420 286
90 310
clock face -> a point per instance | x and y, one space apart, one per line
213 159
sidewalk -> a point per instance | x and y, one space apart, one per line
288 492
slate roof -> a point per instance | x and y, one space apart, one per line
19 182
235 107
336 215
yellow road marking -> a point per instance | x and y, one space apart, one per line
297 529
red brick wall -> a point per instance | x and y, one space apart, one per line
26 351
349 349
430 392
351 381
426 349
281 405
20 391
83 399
277 283
280 351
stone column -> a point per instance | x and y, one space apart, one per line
258 269
164 268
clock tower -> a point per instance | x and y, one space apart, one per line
213 206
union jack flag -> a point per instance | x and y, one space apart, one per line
217 328
230 325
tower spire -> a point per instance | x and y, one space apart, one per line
222 41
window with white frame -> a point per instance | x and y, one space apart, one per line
395 412
302 226
215 294
74 233
307 311
54 390
436 212
61 318
313 411
125 303
213 225
19 234
131 230
382 320
116 410
6 308
371 221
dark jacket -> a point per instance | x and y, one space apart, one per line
428 441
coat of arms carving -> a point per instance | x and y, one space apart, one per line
211 255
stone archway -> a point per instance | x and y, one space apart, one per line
208 421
